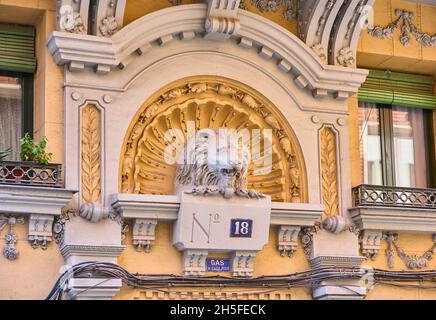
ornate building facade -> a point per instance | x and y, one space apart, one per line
338 98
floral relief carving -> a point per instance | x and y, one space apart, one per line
91 141
109 26
346 57
71 21
405 22
329 172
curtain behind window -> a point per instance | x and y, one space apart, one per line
10 116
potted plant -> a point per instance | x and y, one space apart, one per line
34 162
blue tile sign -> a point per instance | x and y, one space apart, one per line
217 265
241 228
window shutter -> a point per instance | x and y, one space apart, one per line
17 48
399 89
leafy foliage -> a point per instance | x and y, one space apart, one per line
5 153
32 151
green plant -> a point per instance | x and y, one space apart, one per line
5 153
32 151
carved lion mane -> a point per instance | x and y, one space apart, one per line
203 178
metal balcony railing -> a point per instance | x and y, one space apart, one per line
371 195
30 174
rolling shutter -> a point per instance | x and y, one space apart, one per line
17 48
399 89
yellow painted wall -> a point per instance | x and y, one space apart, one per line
390 53
165 259
35 271
138 8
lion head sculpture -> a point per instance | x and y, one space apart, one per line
204 174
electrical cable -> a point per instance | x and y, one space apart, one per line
310 278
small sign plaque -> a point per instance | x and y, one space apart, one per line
217 265
241 228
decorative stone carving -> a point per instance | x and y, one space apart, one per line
288 240
195 262
329 171
411 261
94 212
40 230
10 252
90 149
370 243
405 19
336 224
346 57
226 178
144 234
109 26
306 235
243 263
222 19
142 173
70 21
289 11
320 52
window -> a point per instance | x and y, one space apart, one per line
393 145
17 65
16 110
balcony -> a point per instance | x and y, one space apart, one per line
30 174
32 192
379 210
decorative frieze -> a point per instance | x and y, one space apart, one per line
405 22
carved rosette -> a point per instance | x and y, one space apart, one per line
209 103
329 172
91 154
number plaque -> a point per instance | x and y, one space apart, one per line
241 228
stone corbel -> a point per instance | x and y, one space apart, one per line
370 243
144 235
40 230
288 240
94 212
243 263
195 262
222 20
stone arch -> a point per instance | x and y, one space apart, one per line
211 102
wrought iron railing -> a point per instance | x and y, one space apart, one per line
31 174
370 195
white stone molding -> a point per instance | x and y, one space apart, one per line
338 261
394 219
346 32
288 240
195 262
222 19
41 205
289 217
343 290
93 288
40 230
243 263
144 234
257 33
76 253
